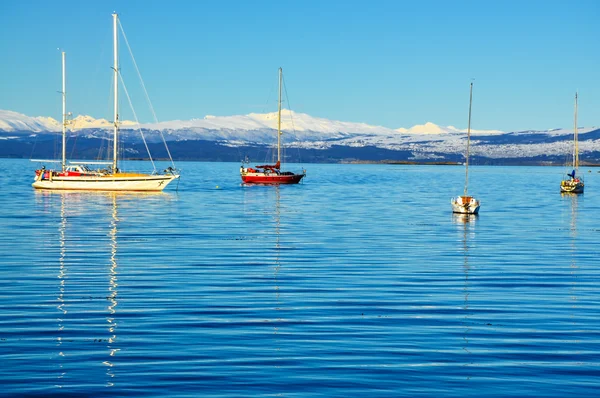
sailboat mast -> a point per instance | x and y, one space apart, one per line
64 114
116 88
576 146
279 120
468 140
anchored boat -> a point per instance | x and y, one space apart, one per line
267 173
466 204
574 182
81 176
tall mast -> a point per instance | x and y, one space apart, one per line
64 114
468 139
576 148
279 120
116 88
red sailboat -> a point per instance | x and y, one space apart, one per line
272 173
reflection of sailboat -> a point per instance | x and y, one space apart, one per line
573 232
467 220
80 176
72 206
112 297
574 184
277 267
62 276
466 204
272 174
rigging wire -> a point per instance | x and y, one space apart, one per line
146 94
291 116
137 121
264 109
270 149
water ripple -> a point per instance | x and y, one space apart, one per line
358 282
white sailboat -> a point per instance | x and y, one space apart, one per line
81 177
272 173
466 204
573 184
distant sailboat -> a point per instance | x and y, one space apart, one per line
574 184
80 176
271 173
466 204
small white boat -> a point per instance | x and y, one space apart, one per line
574 182
466 204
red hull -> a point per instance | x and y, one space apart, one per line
272 179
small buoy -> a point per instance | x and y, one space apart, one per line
217 187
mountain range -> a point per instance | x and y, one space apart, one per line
312 139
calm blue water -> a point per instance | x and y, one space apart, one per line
358 282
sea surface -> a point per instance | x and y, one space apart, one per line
357 282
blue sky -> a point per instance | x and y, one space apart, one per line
391 63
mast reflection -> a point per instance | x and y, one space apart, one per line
78 329
574 202
468 226
263 202
112 290
277 251
62 277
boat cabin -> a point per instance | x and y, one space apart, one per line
77 170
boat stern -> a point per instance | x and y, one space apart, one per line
465 205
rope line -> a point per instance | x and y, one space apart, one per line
291 116
137 121
147 97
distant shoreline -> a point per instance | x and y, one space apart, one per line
388 162
446 163
402 162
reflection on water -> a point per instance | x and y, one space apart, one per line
79 209
112 297
277 216
62 277
277 269
263 205
467 224
346 287
573 203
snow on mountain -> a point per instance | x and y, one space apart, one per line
432 128
87 122
17 122
299 125
474 131
557 142
290 121
304 131
427 128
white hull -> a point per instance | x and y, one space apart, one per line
78 177
465 207
107 183
464 210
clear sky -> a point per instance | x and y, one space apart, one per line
391 63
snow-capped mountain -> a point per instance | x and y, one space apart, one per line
17 122
83 122
300 124
426 141
290 121
13 121
432 128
